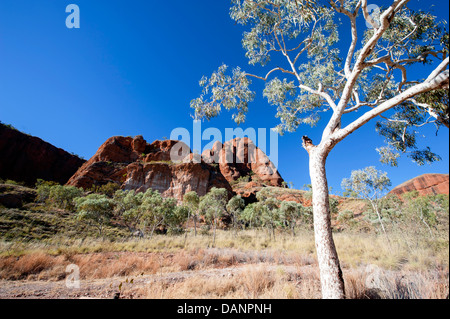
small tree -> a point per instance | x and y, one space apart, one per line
153 210
268 210
292 212
421 207
43 189
127 207
95 208
370 184
191 200
108 189
249 216
176 217
213 207
235 207
63 196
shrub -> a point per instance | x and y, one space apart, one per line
95 208
108 189
62 196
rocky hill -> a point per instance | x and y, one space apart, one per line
26 158
132 163
427 184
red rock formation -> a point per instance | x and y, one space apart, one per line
170 167
241 157
427 184
174 180
134 164
26 158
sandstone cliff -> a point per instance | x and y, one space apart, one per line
26 158
240 157
132 163
427 184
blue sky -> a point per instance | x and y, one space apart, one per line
132 69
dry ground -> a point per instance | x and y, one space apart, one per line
203 273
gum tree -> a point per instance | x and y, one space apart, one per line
268 210
235 207
369 184
95 208
191 200
314 73
213 207
127 207
292 212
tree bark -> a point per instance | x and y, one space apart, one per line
377 211
195 225
214 232
331 277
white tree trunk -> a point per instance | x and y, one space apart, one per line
331 277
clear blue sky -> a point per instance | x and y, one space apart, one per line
132 69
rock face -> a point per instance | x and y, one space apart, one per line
427 184
167 166
240 157
26 158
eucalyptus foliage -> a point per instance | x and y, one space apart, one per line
235 206
95 208
213 207
318 77
370 184
191 201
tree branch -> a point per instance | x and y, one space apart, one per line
385 19
352 17
430 111
269 73
440 81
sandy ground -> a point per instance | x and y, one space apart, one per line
109 288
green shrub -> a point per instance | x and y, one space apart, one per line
108 189
63 196
96 208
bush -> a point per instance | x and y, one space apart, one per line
43 190
334 205
107 189
96 208
59 196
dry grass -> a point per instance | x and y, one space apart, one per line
264 282
403 252
42 266
226 273
255 281
409 267
399 253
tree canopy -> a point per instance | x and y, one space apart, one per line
375 76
